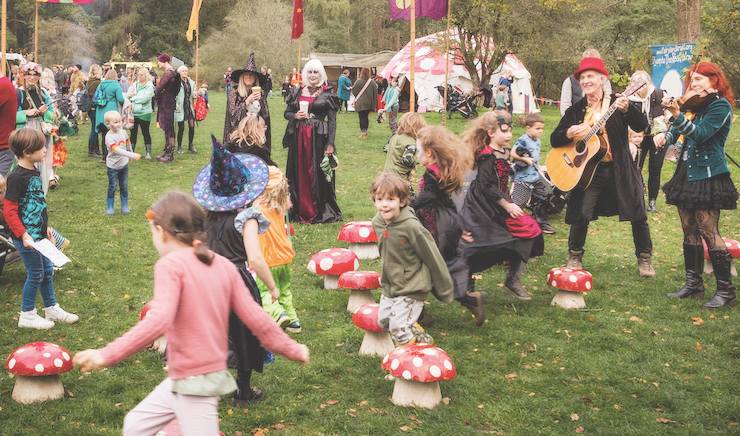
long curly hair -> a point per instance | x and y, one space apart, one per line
476 135
449 154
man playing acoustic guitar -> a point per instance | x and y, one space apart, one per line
616 187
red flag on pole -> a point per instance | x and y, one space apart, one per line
297 19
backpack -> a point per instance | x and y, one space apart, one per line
84 102
99 99
201 108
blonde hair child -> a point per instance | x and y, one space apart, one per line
401 158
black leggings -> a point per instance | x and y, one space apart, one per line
701 224
181 130
364 122
138 122
654 167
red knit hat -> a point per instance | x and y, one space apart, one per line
591 63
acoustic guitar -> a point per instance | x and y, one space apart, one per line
573 166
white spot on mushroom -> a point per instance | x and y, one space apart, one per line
357 264
573 278
65 355
385 359
11 363
19 351
435 371
367 311
429 351
554 283
407 375
326 263
39 367
395 364
58 362
47 355
325 250
335 254
312 266
447 364
417 362
557 272
588 285
364 232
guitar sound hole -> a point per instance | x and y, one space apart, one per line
580 146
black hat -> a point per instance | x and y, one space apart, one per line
250 67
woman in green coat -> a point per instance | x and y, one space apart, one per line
140 95
108 97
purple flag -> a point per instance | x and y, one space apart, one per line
434 9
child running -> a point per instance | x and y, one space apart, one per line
119 153
192 320
440 198
496 229
401 157
412 264
530 188
24 210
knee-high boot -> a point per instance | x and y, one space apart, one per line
693 259
725 295
513 279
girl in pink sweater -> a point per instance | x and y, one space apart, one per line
194 289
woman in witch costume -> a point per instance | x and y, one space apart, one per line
248 96
166 94
311 112
226 188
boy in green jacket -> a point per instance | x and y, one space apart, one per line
412 264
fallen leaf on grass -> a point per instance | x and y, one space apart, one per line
617 407
664 420
332 402
352 412
696 320
279 426
230 412
446 401
405 428
363 403
634 318
511 376
574 417
698 347
480 406
580 429
259 432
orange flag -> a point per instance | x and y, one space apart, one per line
194 19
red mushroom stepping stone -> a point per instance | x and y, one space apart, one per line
36 367
160 344
360 284
361 238
418 369
571 285
331 263
377 342
733 247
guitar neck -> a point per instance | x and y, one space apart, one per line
602 122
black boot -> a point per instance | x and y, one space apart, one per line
725 295
693 260
168 155
575 259
475 302
513 280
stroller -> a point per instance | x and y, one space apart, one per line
552 203
66 108
458 101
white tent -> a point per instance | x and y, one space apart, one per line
522 95
429 71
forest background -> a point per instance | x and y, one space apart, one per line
547 35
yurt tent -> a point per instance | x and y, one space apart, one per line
522 95
429 70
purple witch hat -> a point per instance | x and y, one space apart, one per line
231 181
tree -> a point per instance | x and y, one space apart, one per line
688 20
721 20
64 42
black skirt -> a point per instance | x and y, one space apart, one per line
716 192
246 351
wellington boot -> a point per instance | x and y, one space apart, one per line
725 295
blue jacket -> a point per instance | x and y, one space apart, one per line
528 173
113 95
344 85
704 139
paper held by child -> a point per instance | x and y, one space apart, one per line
47 248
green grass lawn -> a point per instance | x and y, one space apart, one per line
635 362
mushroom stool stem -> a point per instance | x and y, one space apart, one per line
29 390
357 298
409 393
568 300
331 282
376 344
365 251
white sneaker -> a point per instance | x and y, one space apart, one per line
32 320
56 313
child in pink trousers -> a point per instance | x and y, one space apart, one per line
194 289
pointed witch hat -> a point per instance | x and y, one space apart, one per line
231 181
250 67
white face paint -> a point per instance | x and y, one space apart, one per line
314 76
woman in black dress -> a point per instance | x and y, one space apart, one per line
309 138
701 185
166 95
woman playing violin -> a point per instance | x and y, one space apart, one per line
701 185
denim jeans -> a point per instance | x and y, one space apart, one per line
120 178
39 276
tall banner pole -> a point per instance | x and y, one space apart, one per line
447 59
4 37
412 58
36 33
298 67
197 54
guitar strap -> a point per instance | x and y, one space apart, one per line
592 117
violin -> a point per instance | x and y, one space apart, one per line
694 101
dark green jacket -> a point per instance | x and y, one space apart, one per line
401 157
412 264
704 139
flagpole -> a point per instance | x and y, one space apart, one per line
447 60
4 38
298 40
36 33
197 52
412 58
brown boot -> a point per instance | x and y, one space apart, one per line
644 267
475 302
575 257
513 280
